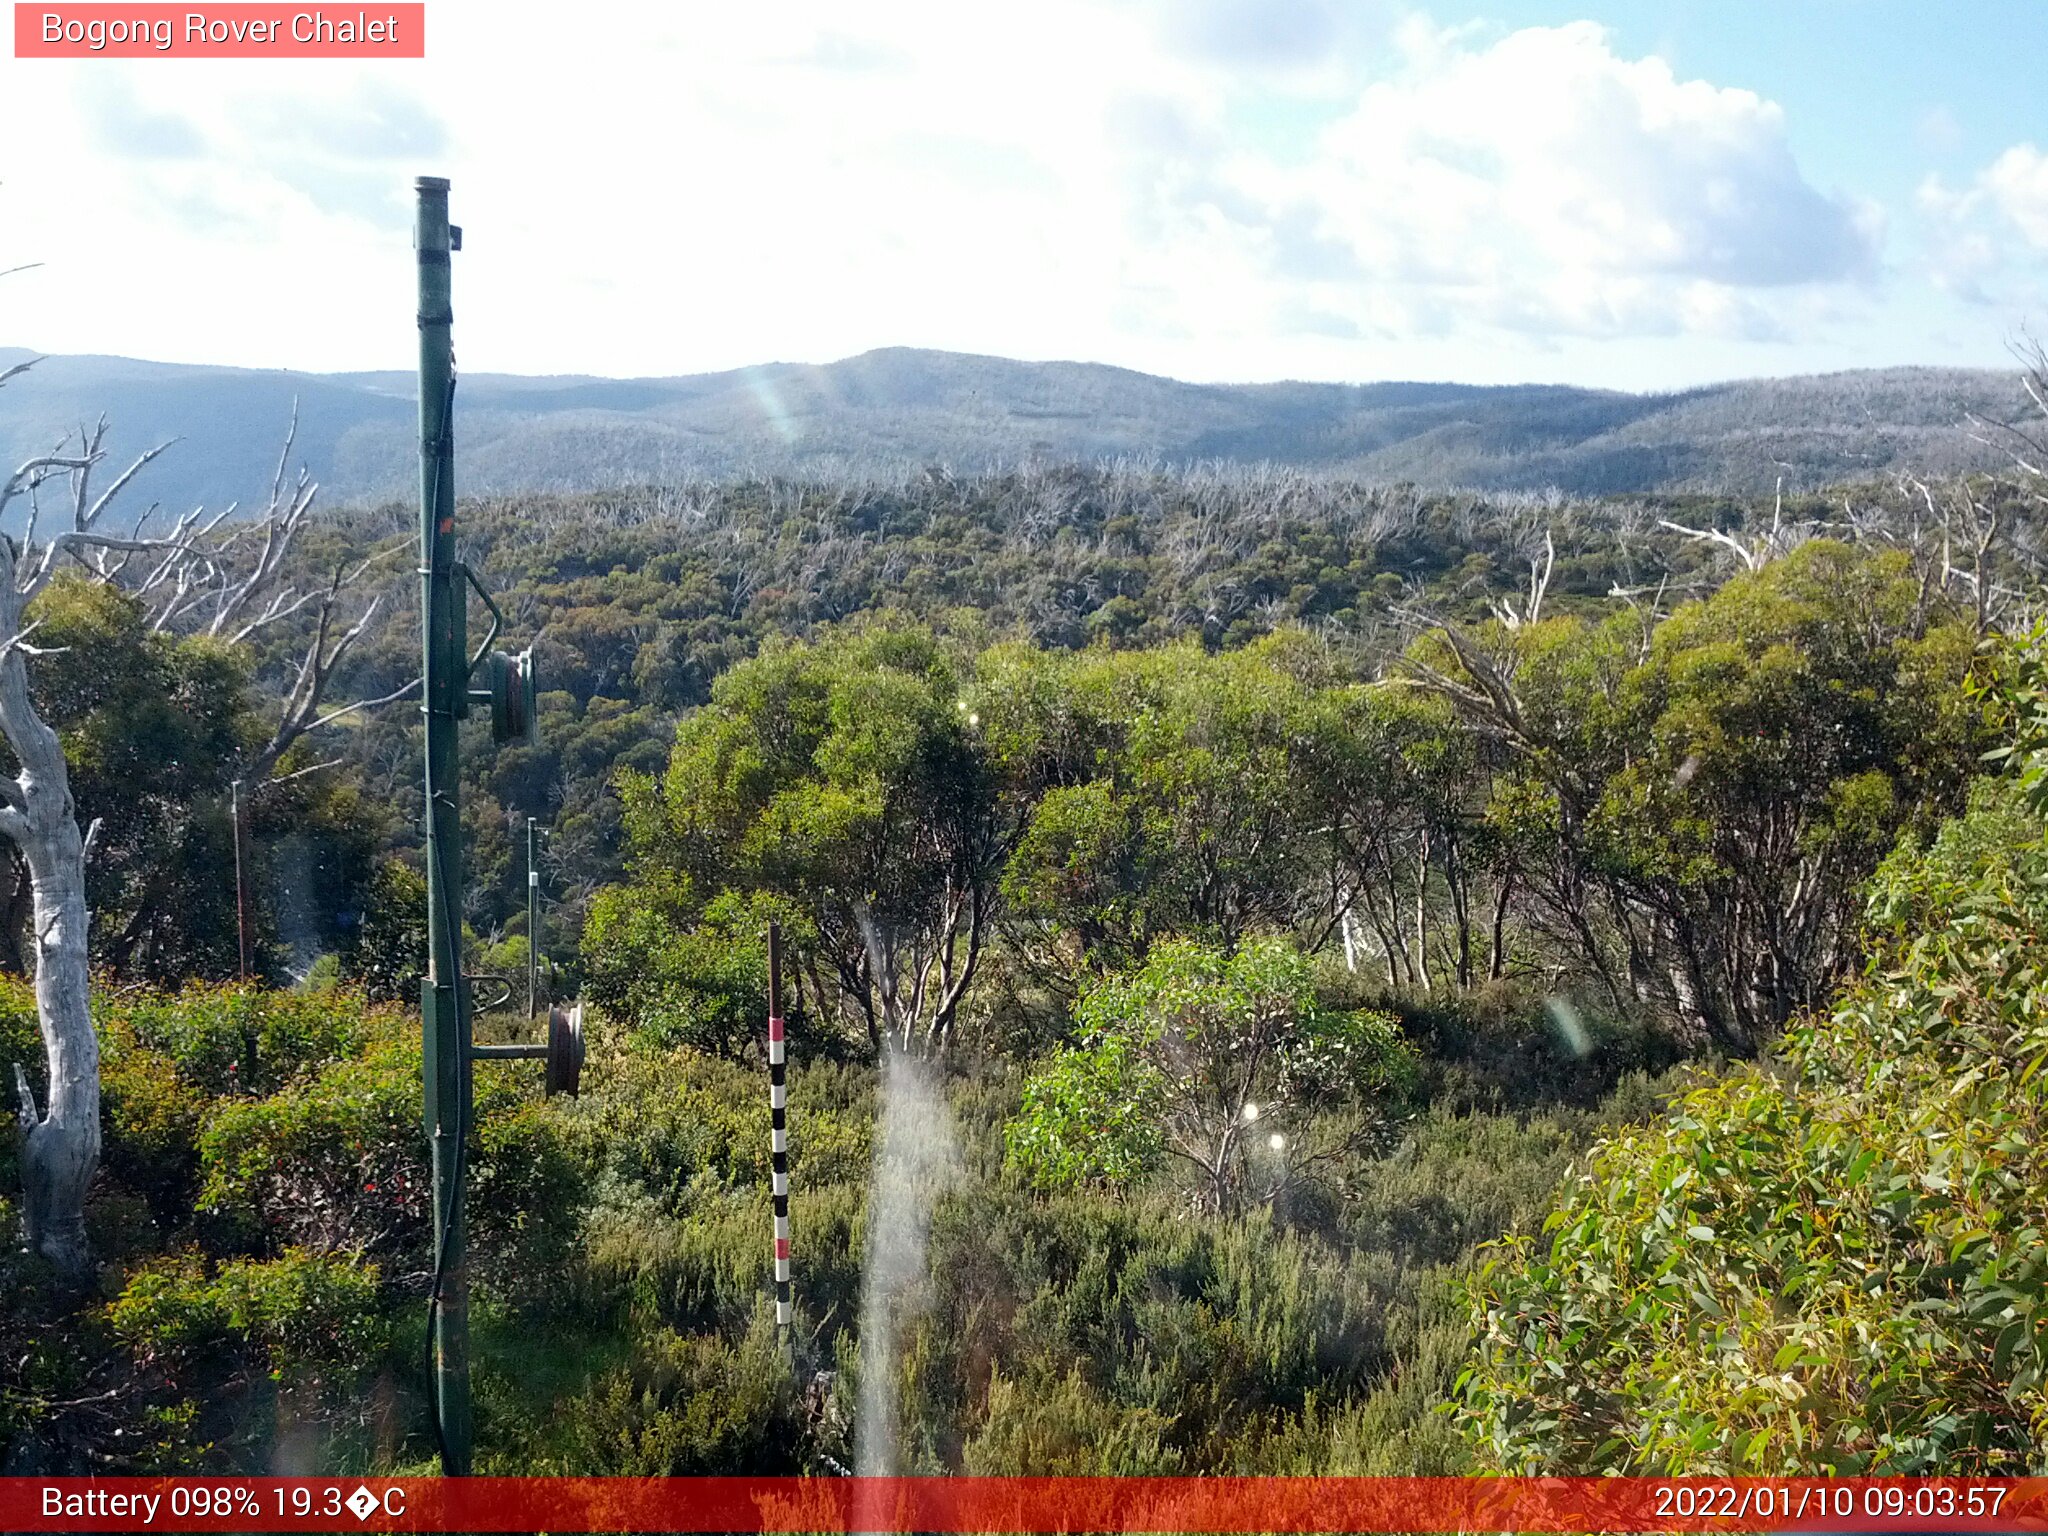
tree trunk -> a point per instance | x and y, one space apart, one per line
1394 937
1497 961
14 918
1422 916
61 1150
61 1146
1461 909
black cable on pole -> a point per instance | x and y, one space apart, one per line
451 924
454 1193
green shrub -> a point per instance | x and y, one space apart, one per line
1215 1332
1090 1116
1219 1059
152 1116
323 975
640 1265
244 1039
1838 1264
527 1187
385 952
337 1162
684 1407
298 1311
670 1119
701 984
1064 1428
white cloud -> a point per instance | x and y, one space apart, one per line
1544 183
1982 239
2017 182
1213 188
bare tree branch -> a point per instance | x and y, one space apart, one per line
348 709
300 773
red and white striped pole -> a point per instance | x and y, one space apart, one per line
778 1135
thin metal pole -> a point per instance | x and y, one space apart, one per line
778 1134
444 999
532 926
241 881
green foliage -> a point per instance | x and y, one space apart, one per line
1201 1341
336 1162
242 1039
156 727
267 1241
1064 1428
150 1139
703 985
296 1311
669 1121
21 1045
1725 784
1090 1115
1835 1265
1171 796
2014 689
642 1267
839 782
385 951
1215 1058
1679 817
152 726
685 1407
1061 1332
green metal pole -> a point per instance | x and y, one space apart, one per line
532 926
444 1000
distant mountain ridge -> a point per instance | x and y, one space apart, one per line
890 411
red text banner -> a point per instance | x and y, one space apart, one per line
1046 1504
228 31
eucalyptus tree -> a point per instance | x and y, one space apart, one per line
1174 795
1832 1257
842 784
1215 1061
1696 808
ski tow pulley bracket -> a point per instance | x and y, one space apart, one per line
565 1049
508 681
562 1054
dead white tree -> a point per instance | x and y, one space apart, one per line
1528 611
232 579
203 574
1965 526
2023 441
231 586
60 1142
1756 550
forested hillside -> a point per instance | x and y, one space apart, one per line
1219 903
892 412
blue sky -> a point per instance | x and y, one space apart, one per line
1628 195
1876 95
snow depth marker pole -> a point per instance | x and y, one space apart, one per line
778 1135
